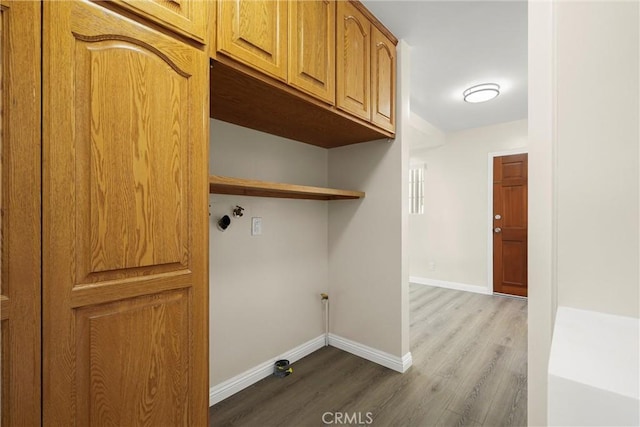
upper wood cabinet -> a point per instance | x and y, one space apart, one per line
353 52
317 71
254 32
312 47
186 17
383 80
366 61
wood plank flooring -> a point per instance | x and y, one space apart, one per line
469 369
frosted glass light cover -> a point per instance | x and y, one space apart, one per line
481 93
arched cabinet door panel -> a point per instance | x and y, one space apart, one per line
383 81
125 216
353 58
312 66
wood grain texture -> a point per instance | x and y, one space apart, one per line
353 61
312 40
247 187
132 381
212 28
20 145
469 369
125 283
247 98
383 81
4 307
375 21
510 245
144 204
185 17
255 33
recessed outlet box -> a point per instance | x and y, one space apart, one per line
256 226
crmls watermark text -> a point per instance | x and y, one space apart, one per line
346 418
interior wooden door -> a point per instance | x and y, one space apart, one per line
510 225
255 32
20 212
353 59
125 286
383 81
312 47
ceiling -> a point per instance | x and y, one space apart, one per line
455 45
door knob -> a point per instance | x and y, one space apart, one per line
497 229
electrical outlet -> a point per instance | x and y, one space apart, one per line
256 226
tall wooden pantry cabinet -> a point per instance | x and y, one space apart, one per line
124 214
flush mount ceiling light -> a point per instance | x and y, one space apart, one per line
481 93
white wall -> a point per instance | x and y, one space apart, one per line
597 139
264 290
584 169
365 246
420 134
449 241
368 275
402 131
542 218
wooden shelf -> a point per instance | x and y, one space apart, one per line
247 187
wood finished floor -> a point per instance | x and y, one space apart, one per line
469 368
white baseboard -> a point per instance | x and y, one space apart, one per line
450 285
233 385
399 364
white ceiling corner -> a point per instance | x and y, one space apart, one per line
456 44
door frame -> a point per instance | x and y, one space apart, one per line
491 156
